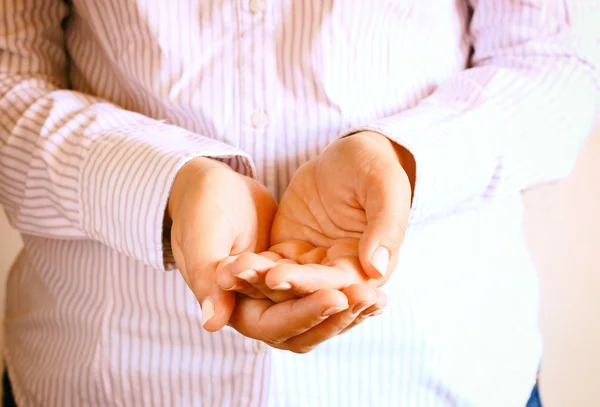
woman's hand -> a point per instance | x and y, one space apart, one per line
340 224
341 221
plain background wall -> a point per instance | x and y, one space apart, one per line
563 226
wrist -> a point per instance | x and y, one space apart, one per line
189 172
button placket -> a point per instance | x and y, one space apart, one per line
259 119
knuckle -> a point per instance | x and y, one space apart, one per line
382 184
245 257
273 342
393 231
397 228
377 283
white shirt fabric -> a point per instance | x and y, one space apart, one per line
101 102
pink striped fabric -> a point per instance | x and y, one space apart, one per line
101 102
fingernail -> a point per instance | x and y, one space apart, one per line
248 275
208 310
375 313
234 287
360 307
380 260
283 286
333 310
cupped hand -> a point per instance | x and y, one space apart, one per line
341 222
300 325
353 200
293 269
314 275
290 322
215 213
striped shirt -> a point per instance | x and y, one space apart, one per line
101 102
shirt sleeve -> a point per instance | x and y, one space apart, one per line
73 166
517 117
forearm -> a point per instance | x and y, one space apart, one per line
516 118
74 166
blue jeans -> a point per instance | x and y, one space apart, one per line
534 399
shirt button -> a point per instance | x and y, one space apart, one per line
260 347
260 119
257 6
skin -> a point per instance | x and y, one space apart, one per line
339 208
216 215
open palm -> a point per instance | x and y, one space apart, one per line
315 236
343 215
318 225
339 226
340 222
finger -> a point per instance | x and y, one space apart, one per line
248 270
216 304
244 288
271 255
217 307
275 323
359 297
308 278
374 310
387 205
228 282
266 207
300 251
251 268
203 248
380 304
360 319
225 278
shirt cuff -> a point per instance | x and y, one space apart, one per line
126 179
454 165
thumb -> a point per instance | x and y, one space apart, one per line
217 308
211 239
200 268
217 305
387 206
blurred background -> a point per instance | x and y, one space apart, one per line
563 228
